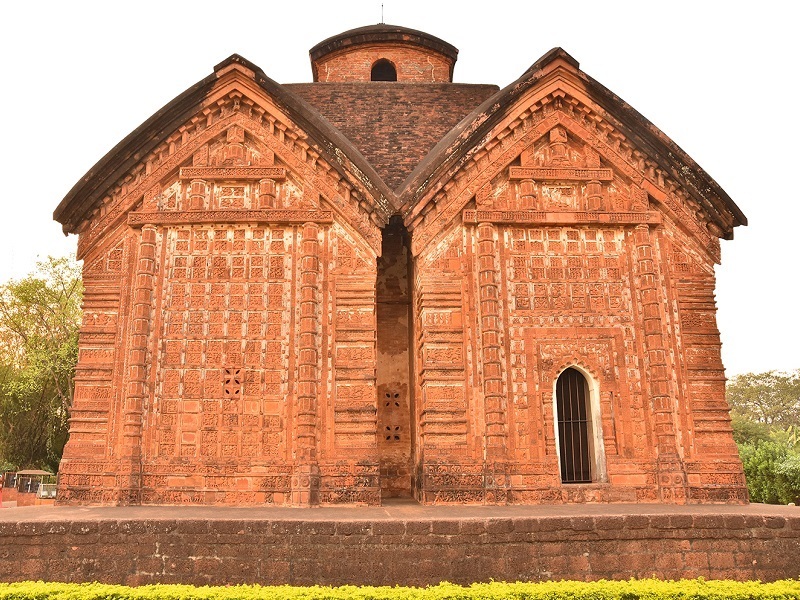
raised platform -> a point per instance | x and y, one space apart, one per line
400 543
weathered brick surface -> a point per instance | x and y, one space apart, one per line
254 288
404 552
413 65
414 56
394 125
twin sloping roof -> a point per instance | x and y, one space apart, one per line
393 125
402 139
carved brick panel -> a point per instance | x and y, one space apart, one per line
87 460
220 387
443 418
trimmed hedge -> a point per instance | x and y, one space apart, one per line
645 589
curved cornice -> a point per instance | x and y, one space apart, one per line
432 174
477 128
334 147
96 182
382 33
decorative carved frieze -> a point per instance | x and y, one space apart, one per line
197 217
560 174
346 200
560 218
225 173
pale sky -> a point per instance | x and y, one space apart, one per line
719 78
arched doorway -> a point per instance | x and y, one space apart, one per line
574 427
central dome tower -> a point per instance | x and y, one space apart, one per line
383 53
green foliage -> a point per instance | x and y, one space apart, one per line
39 321
765 415
771 398
652 589
748 432
771 469
789 471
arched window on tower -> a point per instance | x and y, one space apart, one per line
383 70
576 436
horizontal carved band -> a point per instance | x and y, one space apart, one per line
190 217
559 218
560 174
211 173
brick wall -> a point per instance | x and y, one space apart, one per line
412 63
753 543
507 302
394 125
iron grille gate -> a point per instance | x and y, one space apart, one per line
572 394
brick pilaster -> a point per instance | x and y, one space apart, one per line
671 477
136 392
494 392
305 481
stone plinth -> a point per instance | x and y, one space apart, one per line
403 544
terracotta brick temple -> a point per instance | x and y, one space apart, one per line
385 284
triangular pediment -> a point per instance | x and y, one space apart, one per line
234 126
563 134
238 118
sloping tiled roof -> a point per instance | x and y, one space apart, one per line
400 141
90 189
394 125
444 159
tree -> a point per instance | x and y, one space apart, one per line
772 398
765 414
748 432
39 322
